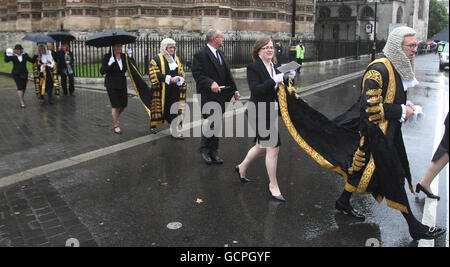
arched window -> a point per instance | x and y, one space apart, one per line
345 11
421 9
399 15
367 12
324 12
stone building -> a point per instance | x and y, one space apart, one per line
348 19
155 17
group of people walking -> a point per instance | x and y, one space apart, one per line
364 144
47 66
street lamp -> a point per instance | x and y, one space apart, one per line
374 45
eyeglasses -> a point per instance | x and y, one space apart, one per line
411 46
267 48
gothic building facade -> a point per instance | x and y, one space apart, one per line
353 19
188 17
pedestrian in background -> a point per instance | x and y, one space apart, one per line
300 49
66 69
279 52
438 162
19 71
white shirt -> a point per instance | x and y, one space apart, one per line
406 85
20 58
119 61
47 59
214 51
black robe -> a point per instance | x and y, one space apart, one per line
365 144
165 95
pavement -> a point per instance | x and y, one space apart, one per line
64 174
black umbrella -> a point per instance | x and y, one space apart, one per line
63 37
38 38
110 37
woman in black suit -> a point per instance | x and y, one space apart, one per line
66 69
19 71
114 66
263 79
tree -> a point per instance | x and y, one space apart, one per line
438 19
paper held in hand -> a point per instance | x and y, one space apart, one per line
291 66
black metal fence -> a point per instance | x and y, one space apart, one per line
238 51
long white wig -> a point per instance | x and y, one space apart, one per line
394 52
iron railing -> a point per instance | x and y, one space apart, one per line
238 51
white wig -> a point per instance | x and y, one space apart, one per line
164 44
394 52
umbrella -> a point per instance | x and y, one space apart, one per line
110 37
63 37
38 38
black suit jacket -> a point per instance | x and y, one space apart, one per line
115 78
262 86
20 68
206 70
61 61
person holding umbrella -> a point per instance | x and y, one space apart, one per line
19 71
114 66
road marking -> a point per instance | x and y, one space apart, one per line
72 161
430 207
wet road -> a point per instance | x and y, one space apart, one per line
128 198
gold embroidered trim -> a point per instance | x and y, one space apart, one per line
389 99
134 84
375 76
282 98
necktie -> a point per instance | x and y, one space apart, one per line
218 57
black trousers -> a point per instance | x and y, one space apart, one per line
210 145
64 83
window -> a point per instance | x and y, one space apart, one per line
345 11
324 12
367 12
421 9
399 14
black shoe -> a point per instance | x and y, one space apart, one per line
153 131
216 160
206 158
277 198
419 188
178 137
349 210
117 132
243 180
432 233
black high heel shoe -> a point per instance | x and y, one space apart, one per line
243 180
432 233
419 188
278 198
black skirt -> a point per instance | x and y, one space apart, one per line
118 97
443 146
20 82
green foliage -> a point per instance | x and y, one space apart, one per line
438 19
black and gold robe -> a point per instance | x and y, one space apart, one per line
143 91
165 95
365 144
41 79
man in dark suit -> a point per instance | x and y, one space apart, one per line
215 83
